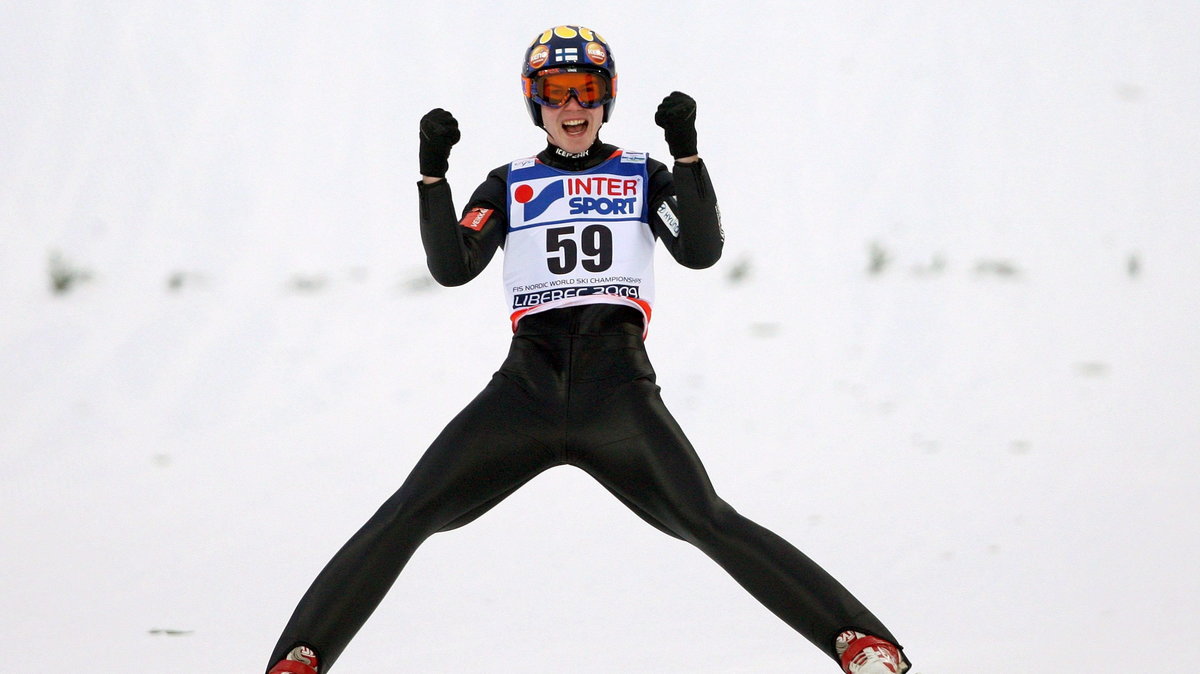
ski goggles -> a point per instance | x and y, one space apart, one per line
554 88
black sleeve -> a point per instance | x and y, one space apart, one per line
684 213
458 249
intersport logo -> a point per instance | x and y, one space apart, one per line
574 197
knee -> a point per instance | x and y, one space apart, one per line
709 525
403 517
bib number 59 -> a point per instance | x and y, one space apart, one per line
595 242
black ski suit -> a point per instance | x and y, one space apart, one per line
576 388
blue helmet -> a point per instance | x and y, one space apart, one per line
567 49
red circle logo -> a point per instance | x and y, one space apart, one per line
523 194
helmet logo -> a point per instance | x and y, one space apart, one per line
596 53
537 58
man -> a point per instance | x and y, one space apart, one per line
578 224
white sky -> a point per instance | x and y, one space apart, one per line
1002 466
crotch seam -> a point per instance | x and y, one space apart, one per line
569 402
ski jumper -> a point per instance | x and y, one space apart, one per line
576 388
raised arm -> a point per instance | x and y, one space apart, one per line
456 248
685 214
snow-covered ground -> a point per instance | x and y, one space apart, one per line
952 351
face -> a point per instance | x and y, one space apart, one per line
572 127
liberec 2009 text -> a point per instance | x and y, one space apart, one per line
534 299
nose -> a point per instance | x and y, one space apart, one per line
573 102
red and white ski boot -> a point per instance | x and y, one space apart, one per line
863 654
302 660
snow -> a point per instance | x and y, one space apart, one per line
951 352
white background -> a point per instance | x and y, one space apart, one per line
992 439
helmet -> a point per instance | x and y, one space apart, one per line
567 49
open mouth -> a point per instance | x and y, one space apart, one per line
575 127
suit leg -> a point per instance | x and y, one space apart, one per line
654 469
481 457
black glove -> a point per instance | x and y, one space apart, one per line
677 116
439 133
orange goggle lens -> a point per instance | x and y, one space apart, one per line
555 89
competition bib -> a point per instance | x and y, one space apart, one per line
578 237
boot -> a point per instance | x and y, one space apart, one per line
863 654
302 660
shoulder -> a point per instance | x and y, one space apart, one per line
498 174
493 189
654 166
634 159
661 180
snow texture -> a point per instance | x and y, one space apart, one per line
951 352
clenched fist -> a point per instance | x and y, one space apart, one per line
439 133
677 117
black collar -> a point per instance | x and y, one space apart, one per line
561 159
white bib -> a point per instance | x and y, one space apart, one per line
578 237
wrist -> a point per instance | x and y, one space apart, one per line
433 166
682 142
